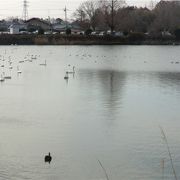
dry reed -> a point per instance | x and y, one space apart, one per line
169 152
105 172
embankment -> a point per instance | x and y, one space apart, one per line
30 39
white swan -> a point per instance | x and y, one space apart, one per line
43 64
7 77
18 71
71 72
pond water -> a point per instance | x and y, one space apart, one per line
108 111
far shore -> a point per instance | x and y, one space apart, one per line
23 39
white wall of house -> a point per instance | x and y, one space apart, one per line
14 30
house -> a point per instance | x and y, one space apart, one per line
3 26
16 27
59 27
62 26
75 27
34 24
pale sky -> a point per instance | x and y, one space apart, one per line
45 8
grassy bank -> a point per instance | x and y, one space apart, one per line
7 39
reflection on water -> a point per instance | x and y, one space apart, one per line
108 110
107 87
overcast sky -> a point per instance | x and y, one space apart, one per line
45 8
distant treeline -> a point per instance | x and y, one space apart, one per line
115 15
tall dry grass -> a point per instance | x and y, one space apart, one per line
169 152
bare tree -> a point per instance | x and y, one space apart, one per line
87 13
151 4
115 15
111 7
167 16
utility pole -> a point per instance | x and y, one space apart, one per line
112 16
82 12
25 10
65 11
49 20
151 5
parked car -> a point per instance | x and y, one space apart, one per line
24 32
102 33
55 33
80 33
94 33
35 32
48 32
118 34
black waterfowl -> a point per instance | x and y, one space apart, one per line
66 76
48 158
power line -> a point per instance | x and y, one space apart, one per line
40 9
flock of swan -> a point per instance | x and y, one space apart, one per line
69 72
9 65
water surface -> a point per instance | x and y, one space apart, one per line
109 110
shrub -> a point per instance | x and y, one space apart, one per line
68 31
177 34
88 32
125 33
136 36
41 31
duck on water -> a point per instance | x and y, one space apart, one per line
2 78
48 158
66 76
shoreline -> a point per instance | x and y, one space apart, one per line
7 39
